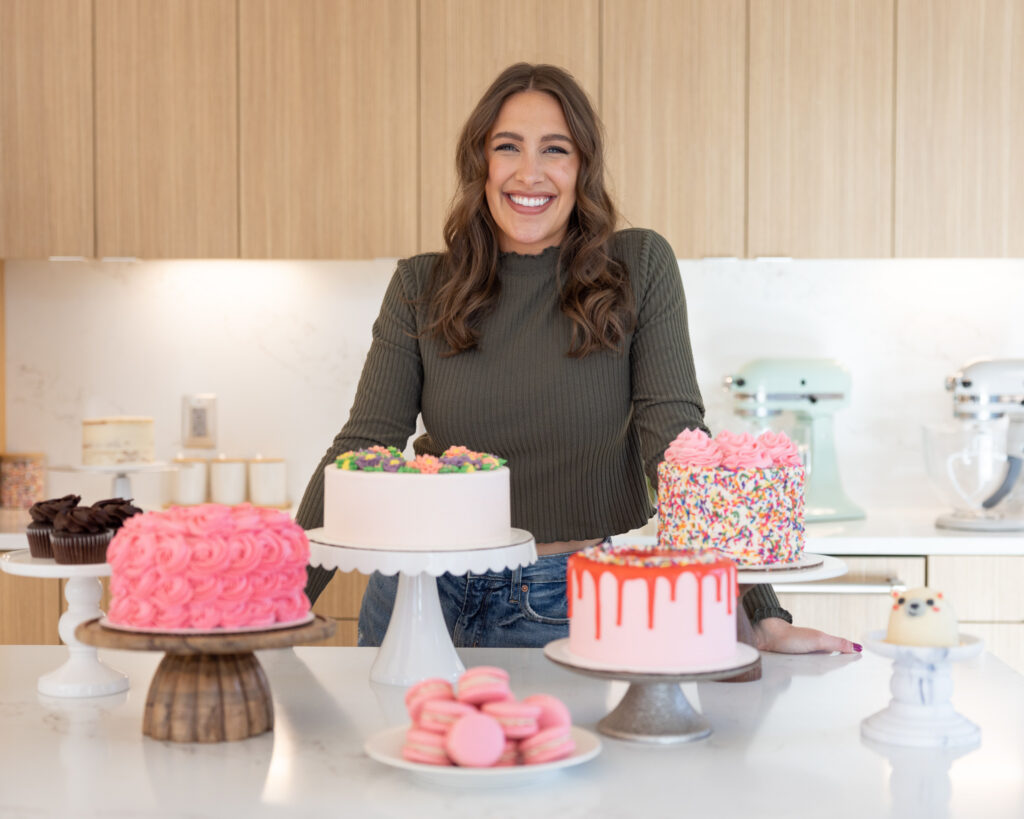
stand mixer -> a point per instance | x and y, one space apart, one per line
976 461
768 392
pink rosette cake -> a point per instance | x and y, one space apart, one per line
208 567
739 495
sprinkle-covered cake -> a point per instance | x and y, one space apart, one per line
209 567
648 608
738 495
376 499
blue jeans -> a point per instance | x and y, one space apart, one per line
524 607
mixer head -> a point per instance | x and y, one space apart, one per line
769 386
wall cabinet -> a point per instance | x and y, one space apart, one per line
673 97
46 128
820 155
166 129
328 140
960 128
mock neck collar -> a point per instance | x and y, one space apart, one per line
525 264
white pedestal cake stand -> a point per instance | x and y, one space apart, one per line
122 482
417 643
920 714
83 675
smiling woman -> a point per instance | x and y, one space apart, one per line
539 334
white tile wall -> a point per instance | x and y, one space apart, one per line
282 344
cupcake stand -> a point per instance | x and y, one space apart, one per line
83 674
417 643
654 709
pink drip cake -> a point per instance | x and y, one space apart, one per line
208 567
741 496
647 608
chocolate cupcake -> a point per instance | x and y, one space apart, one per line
119 510
81 535
43 514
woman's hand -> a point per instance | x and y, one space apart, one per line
775 634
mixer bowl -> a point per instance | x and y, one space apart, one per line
968 466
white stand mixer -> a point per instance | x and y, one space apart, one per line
812 389
976 462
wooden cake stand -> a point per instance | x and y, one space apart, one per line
208 687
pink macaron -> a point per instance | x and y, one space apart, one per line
547 746
510 756
426 747
553 712
483 683
440 715
422 692
517 719
475 741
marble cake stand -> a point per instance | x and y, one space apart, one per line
84 674
417 644
920 714
654 708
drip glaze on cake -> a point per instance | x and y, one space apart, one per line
651 608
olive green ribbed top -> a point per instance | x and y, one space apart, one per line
578 433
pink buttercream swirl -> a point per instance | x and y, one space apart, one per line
208 567
782 450
742 451
693 447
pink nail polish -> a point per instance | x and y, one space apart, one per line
858 647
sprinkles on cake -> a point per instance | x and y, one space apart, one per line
455 459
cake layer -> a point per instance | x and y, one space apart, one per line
649 609
753 516
117 440
407 511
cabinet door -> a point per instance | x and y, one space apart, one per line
46 137
821 98
848 612
341 600
328 128
29 610
166 129
463 47
960 128
981 588
673 100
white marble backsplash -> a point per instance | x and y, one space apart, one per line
282 344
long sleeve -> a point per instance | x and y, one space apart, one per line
666 398
388 396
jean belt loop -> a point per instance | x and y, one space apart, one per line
517 581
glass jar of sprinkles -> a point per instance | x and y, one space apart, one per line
22 479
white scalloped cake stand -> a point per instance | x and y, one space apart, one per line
417 644
83 674
920 713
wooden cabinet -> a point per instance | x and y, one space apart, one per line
29 610
46 128
860 602
959 128
463 47
820 154
328 115
166 129
673 79
340 601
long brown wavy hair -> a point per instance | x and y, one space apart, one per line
595 291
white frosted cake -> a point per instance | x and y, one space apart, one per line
374 498
117 440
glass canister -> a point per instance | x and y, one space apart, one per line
22 479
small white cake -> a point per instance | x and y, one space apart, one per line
379 507
117 440
922 617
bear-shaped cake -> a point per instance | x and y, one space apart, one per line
922 617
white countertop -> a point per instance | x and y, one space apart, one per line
785 746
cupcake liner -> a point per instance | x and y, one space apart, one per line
81 547
39 539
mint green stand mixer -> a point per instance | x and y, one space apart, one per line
799 396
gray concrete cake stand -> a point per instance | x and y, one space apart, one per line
654 708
